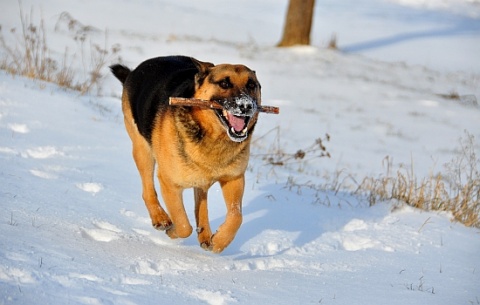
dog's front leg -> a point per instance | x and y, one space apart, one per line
201 216
172 196
232 193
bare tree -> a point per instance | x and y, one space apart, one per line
298 23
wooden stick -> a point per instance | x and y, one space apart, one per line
195 102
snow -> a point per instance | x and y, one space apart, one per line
435 33
74 229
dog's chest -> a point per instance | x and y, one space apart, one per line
188 175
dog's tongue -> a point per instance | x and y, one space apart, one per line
238 123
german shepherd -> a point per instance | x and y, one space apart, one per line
193 147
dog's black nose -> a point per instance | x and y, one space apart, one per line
243 105
246 105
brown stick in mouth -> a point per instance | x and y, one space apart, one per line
195 102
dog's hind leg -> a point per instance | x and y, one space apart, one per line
146 165
142 154
201 216
232 193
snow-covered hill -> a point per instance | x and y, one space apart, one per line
73 227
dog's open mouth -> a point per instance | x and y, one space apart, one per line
236 114
236 125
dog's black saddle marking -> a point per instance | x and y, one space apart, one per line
150 85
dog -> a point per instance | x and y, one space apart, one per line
191 146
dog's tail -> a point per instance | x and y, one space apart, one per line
121 72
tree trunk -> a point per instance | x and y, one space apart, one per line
298 23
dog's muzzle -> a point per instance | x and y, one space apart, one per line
236 114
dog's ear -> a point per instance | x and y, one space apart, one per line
203 70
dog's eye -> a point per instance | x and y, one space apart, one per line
225 84
251 85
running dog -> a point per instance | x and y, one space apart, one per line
192 147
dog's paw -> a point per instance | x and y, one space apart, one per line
171 232
220 241
206 245
160 220
205 238
163 225
217 249
179 231
211 245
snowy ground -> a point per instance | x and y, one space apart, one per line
74 230
442 34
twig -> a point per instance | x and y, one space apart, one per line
194 102
425 223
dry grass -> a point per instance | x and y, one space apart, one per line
332 44
30 55
457 191
469 100
278 157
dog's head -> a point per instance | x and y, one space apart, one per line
237 89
